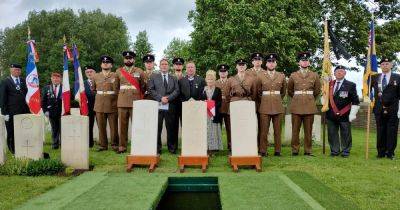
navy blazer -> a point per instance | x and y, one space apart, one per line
347 94
13 98
91 96
51 103
386 100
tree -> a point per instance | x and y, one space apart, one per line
141 47
94 32
177 48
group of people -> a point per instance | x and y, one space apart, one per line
111 94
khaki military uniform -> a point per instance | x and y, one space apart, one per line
256 73
271 90
241 88
147 75
303 88
105 106
127 94
221 84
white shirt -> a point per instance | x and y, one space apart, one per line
15 79
387 77
166 76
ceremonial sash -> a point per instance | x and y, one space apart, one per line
332 102
210 108
132 81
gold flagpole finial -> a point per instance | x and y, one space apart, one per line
65 39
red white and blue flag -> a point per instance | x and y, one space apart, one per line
66 95
32 79
79 88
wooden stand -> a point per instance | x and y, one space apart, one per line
142 160
192 161
255 161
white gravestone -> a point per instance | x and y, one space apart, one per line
144 128
244 129
75 111
3 144
194 129
316 130
75 141
29 136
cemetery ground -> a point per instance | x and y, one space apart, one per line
285 183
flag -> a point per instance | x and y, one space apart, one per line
32 80
371 67
210 108
79 88
326 70
66 95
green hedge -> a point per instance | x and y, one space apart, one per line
25 167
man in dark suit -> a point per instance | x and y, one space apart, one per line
13 92
343 108
192 85
91 95
164 88
386 87
52 106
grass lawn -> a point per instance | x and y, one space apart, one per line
335 183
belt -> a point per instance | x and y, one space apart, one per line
271 92
105 92
303 92
127 87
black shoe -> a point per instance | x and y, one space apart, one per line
277 154
263 154
295 153
391 157
309 154
380 156
334 154
101 149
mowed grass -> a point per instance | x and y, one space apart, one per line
369 184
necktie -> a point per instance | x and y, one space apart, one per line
55 91
17 81
337 86
384 82
165 82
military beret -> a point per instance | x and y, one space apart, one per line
340 67
271 56
55 74
241 61
178 61
385 59
303 55
148 58
223 67
15 65
129 54
256 56
106 59
88 67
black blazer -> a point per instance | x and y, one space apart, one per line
91 95
198 87
157 90
388 98
347 94
217 97
13 100
51 103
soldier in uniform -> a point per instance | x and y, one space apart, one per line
13 92
256 60
343 108
304 86
91 95
148 61
52 106
386 86
178 67
106 85
132 85
271 90
221 84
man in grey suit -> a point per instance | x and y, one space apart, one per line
164 88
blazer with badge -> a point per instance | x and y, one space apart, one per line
347 94
13 97
91 95
198 87
386 100
50 102
157 90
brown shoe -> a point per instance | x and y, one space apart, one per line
121 150
115 148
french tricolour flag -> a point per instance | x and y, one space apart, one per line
79 88
66 95
32 79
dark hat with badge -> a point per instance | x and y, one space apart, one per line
241 61
15 65
271 57
106 59
303 56
178 61
148 58
385 59
223 68
256 56
340 67
129 54
87 67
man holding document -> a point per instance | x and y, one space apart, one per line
164 88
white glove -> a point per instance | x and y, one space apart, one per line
398 112
47 114
6 118
322 100
353 112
